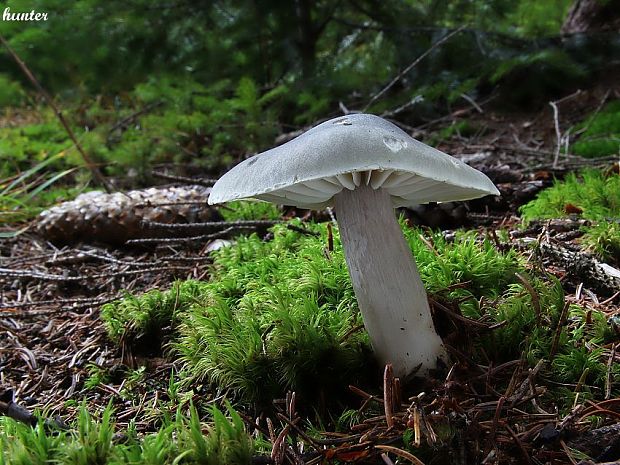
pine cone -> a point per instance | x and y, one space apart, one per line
118 217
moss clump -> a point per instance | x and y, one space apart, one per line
277 315
603 240
597 195
464 267
530 320
144 323
601 133
249 210
179 440
281 314
531 315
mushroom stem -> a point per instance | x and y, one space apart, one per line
389 291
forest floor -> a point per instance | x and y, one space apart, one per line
52 339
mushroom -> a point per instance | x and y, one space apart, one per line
366 166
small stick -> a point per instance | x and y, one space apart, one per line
608 301
62 278
211 224
330 237
608 375
496 417
533 295
388 394
401 453
472 102
580 383
558 331
363 394
567 452
558 134
184 179
556 122
519 443
202 237
300 230
129 119
416 426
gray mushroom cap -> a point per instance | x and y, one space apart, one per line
344 153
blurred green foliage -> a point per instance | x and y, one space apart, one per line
162 120
600 133
319 48
205 83
11 92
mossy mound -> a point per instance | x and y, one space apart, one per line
281 314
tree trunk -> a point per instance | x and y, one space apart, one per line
587 16
307 38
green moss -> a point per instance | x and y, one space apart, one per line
524 330
592 191
601 133
597 195
250 210
603 240
277 316
91 441
282 314
144 322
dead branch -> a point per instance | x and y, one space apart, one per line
203 237
582 266
184 179
437 44
209 225
12 409
9 273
